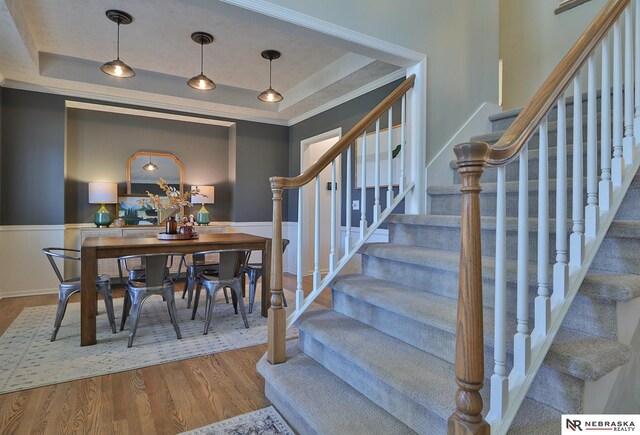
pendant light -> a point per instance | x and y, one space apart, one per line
201 82
150 166
270 95
118 68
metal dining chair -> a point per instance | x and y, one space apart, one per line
254 272
69 287
154 281
199 264
232 263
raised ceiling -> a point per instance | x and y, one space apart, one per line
59 45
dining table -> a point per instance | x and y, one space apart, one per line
95 248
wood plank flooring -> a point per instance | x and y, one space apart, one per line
163 399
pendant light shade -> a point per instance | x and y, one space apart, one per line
201 82
118 68
270 95
150 166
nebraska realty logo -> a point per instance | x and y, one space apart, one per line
572 423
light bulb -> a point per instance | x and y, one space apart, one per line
202 84
118 70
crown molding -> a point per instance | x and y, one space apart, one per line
187 110
349 96
263 7
70 104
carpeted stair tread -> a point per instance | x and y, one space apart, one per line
421 306
486 222
327 403
611 288
566 353
535 418
494 136
505 114
414 373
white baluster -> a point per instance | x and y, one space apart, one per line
522 340
636 69
592 211
348 209
332 252
605 187
499 380
390 156
617 163
377 209
628 142
299 273
363 185
576 240
403 120
316 238
561 267
543 303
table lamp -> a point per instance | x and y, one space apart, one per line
206 196
103 193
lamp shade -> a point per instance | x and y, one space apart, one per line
209 191
103 193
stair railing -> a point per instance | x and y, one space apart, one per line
387 162
575 252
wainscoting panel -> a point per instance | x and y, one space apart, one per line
23 267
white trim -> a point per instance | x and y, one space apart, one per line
74 93
38 292
349 96
281 13
144 113
9 228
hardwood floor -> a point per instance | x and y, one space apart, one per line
163 399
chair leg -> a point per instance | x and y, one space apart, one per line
189 285
234 298
237 290
211 302
226 297
196 299
126 307
173 313
63 299
108 304
135 318
252 291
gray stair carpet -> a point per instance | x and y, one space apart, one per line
381 360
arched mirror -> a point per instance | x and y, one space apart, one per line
144 169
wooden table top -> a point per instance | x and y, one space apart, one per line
221 238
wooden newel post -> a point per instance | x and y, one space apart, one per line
469 365
277 321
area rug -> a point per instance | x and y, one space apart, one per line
28 359
264 421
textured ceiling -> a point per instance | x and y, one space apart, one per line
61 43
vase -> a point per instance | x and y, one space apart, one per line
172 225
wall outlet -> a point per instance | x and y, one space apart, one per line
355 204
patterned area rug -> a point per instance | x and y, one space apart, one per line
28 359
265 421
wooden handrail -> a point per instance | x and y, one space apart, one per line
345 141
526 124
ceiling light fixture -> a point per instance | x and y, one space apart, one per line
201 82
150 166
118 68
270 95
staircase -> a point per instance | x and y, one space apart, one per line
382 360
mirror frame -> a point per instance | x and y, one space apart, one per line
154 154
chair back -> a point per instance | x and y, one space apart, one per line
63 253
155 267
285 243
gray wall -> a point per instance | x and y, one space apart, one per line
533 40
32 158
346 116
99 145
460 39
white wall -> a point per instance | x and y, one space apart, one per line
533 40
459 38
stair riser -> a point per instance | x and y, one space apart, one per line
441 343
617 255
586 315
377 390
288 410
552 135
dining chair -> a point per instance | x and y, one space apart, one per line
71 286
232 263
155 280
254 272
199 264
